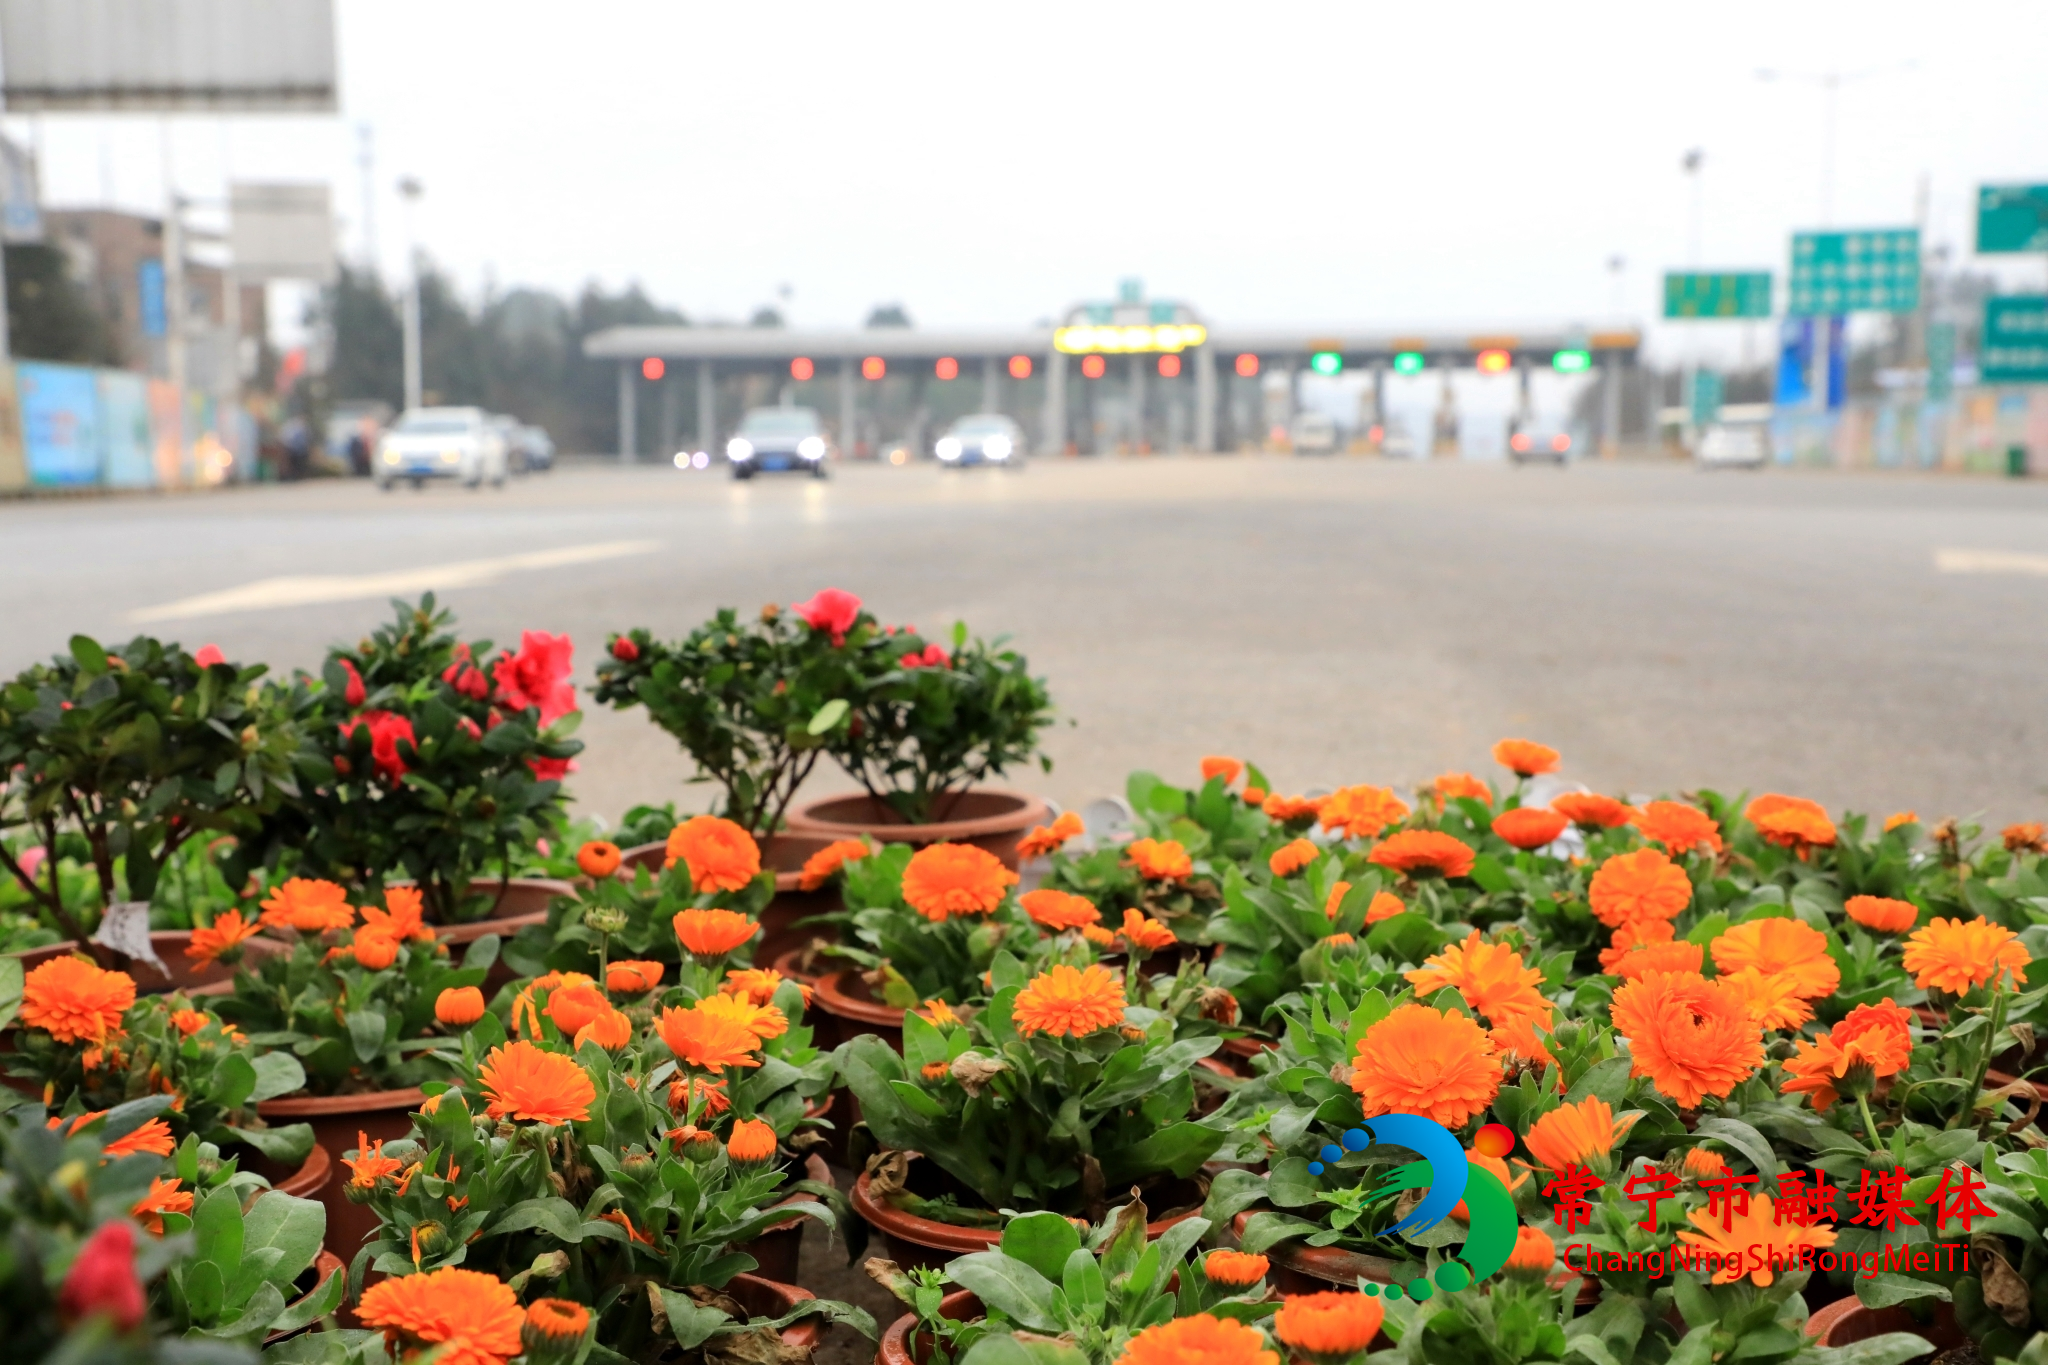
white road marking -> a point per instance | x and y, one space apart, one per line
1990 561
299 590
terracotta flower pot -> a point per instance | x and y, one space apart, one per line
1238 1053
337 1120
915 1241
903 1344
803 964
988 817
1299 1269
208 978
307 1180
777 1248
784 855
525 902
1847 1320
844 995
766 1298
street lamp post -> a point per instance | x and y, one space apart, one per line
410 189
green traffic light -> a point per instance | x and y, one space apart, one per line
1326 362
1408 362
1572 362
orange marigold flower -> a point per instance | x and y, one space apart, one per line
707 1041
1334 902
1772 998
1424 850
944 880
369 1164
1669 956
821 866
1458 787
935 1071
1254 796
634 976
153 1137
1955 954
750 1142
1059 910
1419 1060
1754 1240
211 941
939 1012
1677 826
611 1031
711 934
1790 821
699 1090
1384 905
1591 810
1491 977
1518 1040
2026 838
720 855
1237 1269
1066 1001
189 1022
1882 914
1289 859
1633 887
598 859
308 906
1043 839
1332 1324
164 1197
573 1005
1530 827
758 984
620 1217
1898 818
1200 1339
459 1006
1159 860
1287 809
1878 1037
556 1322
476 1315
403 916
1146 935
763 1021
1361 812
1780 947
75 1001
1097 935
1534 1252
1691 1037
1216 765
1584 1133
372 950
1525 758
1703 1163
524 1081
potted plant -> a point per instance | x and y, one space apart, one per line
433 762
927 725
115 761
1058 1094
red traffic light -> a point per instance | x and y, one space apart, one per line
1093 366
1494 361
1247 365
653 367
1020 367
801 368
947 368
873 368
1169 366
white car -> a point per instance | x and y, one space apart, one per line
1732 446
442 443
1313 433
983 438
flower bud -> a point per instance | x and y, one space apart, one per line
249 739
624 650
605 919
770 613
553 1330
696 1144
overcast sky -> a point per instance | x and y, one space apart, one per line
1362 163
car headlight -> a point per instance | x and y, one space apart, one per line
390 455
949 448
738 449
996 447
811 447
450 456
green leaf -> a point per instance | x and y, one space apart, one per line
277 1073
1180 1148
92 659
10 989
292 1142
1697 1346
1010 1286
234 1080
217 1232
828 716
205 1288
1081 1283
293 1226
366 1033
325 1298
551 1215
1743 1139
1888 1348
1000 1348
1608 1080
691 1323
1883 1291
1041 1240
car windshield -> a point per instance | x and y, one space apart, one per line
433 426
982 426
780 422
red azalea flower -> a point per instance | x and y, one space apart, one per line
538 675
465 677
208 656
932 657
833 610
624 650
386 729
102 1279
550 769
354 693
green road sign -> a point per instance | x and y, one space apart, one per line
2015 345
1941 361
1706 398
1728 294
1852 272
2012 218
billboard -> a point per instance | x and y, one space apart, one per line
126 452
59 423
167 56
281 232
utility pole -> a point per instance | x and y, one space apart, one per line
174 280
366 162
410 189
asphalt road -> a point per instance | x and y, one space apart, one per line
1870 640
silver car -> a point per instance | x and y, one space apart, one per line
442 443
984 438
